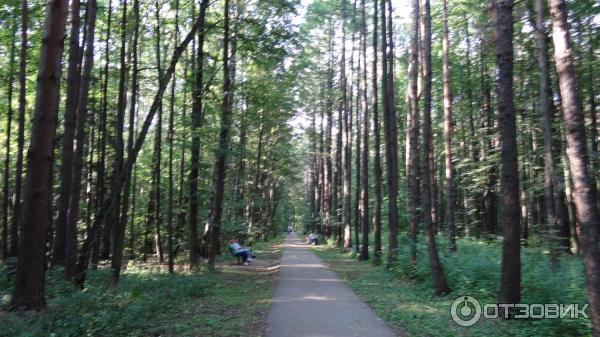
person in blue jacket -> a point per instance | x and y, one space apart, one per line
237 250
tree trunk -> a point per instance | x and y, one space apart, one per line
378 173
73 79
89 169
437 271
321 164
432 184
221 151
314 190
489 221
16 223
412 136
510 280
78 153
156 197
132 234
118 231
350 135
568 196
357 205
389 126
103 126
328 137
240 180
552 201
170 139
473 141
5 187
339 149
255 203
449 166
584 189
595 162
364 183
195 157
131 122
347 217
182 199
347 150
469 140
31 266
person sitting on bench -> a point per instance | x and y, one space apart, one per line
238 251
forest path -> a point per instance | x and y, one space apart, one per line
309 300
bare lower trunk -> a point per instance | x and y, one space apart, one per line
510 280
31 263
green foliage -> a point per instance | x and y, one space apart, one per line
148 301
402 295
101 309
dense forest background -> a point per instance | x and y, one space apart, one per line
470 129
423 136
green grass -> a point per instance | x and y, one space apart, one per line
150 302
403 295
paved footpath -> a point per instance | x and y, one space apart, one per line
309 300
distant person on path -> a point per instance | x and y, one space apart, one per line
237 250
313 239
289 229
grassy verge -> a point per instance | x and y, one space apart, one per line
233 301
403 296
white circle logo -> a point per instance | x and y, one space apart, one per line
465 311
